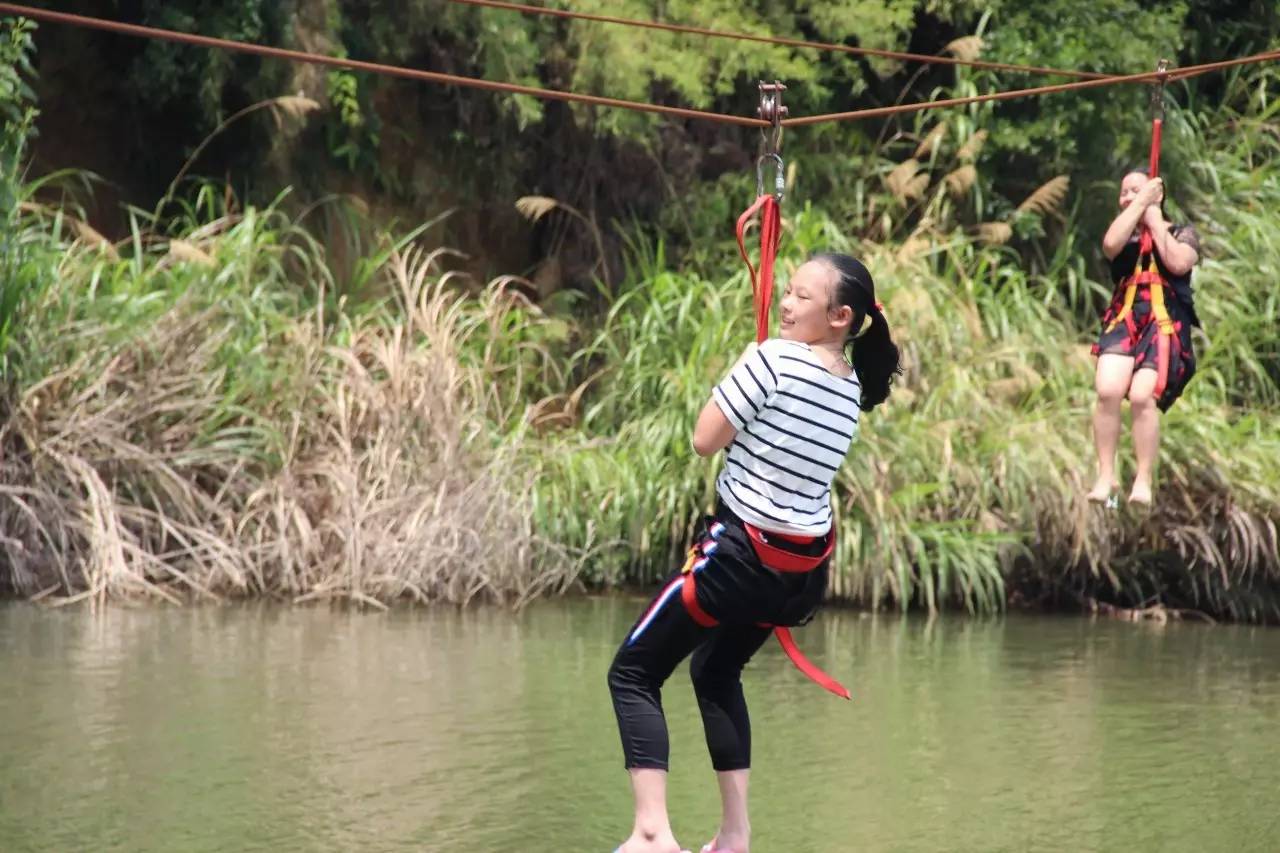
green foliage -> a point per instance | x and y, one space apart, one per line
422 143
17 108
353 137
167 77
17 100
971 475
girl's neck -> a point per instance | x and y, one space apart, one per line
831 355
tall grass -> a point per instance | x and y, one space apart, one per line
208 409
966 489
972 474
194 417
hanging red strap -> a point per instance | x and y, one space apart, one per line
1153 171
1146 243
762 296
768 206
689 598
1162 364
806 666
762 283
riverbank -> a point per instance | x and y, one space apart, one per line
209 413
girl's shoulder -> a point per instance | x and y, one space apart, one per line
782 346
775 349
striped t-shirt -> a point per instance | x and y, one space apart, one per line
795 422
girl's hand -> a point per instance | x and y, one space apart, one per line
1152 193
1153 218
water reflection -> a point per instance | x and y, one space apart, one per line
258 727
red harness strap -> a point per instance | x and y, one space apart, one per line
806 666
780 560
689 596
1164 327
770 233
1150 277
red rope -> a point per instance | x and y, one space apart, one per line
802 663
1146 246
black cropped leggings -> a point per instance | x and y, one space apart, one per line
740 593
641 667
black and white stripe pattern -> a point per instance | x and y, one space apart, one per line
795 422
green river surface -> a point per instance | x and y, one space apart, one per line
259 727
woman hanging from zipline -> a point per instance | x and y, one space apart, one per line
1144 350
787 412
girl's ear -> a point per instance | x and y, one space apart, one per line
842 316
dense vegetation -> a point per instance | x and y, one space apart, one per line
247 390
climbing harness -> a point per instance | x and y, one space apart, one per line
773 556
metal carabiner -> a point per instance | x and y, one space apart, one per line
779 175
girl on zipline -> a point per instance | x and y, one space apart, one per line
1144 350
787 412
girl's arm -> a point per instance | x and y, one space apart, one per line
734 402
1178 253
713 431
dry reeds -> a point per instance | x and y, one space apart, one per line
327 457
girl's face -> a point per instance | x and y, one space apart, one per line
807 314
1129 187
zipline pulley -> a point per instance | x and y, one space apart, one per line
772 110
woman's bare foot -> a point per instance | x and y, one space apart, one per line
1140 494
638 843
1102 490
727 843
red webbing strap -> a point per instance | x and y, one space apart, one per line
1162 364
806 666
1154 167
1148 245
689 597
782 560
1153 172
770 234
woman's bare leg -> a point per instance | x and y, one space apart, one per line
1112 381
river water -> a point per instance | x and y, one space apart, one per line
254 727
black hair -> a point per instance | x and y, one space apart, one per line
873 353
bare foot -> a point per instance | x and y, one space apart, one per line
1101 491
1141 494
640 844
724 843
